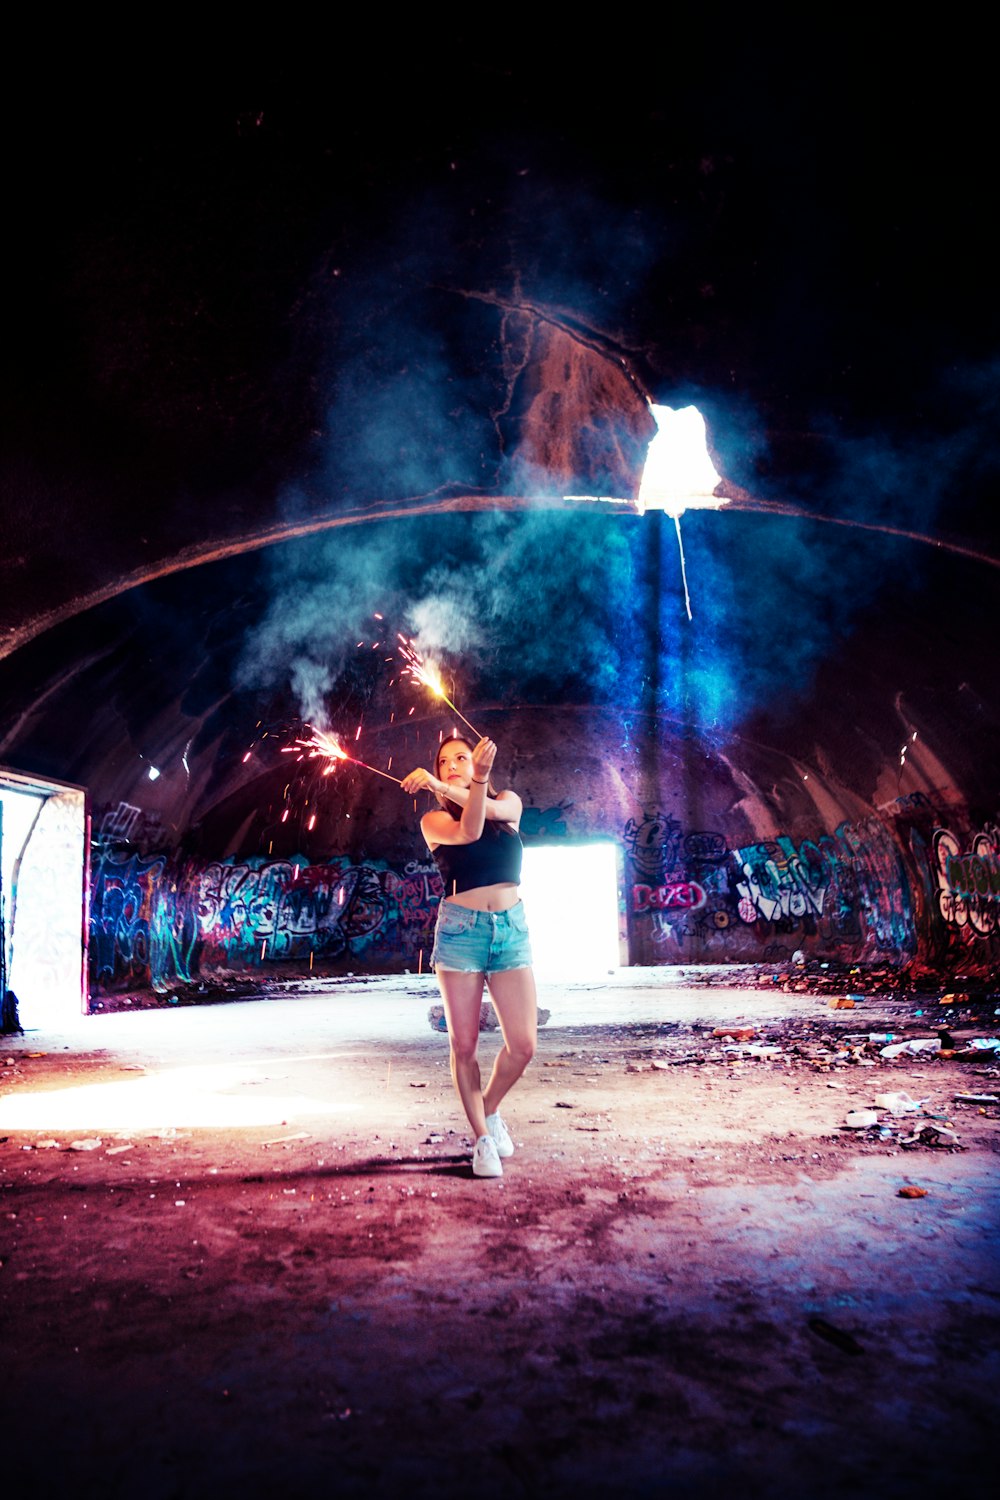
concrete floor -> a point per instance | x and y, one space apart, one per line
241 1253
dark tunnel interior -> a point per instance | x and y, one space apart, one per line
291 384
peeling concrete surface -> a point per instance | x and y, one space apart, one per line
275 1271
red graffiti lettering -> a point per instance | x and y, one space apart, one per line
682 895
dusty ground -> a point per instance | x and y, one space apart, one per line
275 1273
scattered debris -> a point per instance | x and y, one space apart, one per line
916 1044
898 1103
860 1119
912 1192
932 1135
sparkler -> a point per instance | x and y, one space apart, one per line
325 743
427 673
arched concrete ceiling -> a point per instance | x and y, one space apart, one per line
277 364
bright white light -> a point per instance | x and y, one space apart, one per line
153 773
205 1095
678 474
571 899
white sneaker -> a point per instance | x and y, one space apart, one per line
485 1160
501 1139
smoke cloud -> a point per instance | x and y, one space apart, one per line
549 606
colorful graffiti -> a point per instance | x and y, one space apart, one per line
683 895
159 924
549 822
848 885
779 883
968 884
693 892
124 903
680 891
653 844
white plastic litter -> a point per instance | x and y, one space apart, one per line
918 1044
860 1119
898 1103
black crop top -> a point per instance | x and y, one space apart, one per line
494 858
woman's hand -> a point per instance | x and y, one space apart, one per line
483 757
417 781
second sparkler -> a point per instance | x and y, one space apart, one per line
327 745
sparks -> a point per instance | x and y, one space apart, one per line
323 743
426 672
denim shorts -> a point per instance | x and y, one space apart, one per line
480 942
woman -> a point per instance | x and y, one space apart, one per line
481 933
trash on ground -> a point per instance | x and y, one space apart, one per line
911 1192
91 1144
898 1102
860 1119
917 1044
976 1098
932 1135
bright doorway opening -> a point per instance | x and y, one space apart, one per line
43 899
571 896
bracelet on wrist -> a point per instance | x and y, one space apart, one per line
481 783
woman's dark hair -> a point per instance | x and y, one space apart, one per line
458 739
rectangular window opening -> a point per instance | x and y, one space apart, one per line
43 900
572 899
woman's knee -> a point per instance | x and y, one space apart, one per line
464 1049
522 1049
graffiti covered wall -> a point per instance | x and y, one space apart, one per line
160 923
912 882
864 892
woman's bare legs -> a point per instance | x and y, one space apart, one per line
463 997
516 1003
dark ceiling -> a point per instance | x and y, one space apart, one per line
435 273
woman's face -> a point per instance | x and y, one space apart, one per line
454 763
